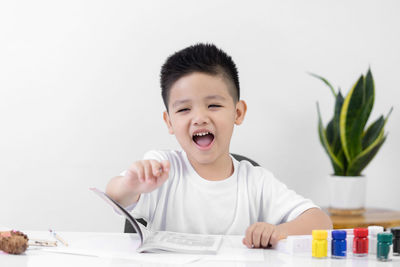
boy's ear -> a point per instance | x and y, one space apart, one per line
241 108
168 122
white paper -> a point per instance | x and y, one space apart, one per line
109 245
123 246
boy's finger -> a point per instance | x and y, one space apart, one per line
156 167
257 232
275 237
249 235
137 170
140 173
165 165
266 237
148 173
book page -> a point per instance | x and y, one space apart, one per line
139 228
181 242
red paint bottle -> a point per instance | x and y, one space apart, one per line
360 242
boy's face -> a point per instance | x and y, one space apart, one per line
202 114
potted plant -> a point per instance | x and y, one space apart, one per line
350 144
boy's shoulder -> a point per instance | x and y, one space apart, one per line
255 175
248 168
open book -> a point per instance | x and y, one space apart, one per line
160 241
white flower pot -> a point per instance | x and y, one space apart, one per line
347 193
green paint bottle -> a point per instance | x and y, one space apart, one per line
384 246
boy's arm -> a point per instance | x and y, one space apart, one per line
142 177
118 191
262 234
309 220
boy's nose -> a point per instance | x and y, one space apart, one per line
200 118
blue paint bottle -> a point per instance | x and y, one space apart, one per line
338 245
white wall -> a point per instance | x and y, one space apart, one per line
80 97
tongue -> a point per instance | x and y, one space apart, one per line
204 140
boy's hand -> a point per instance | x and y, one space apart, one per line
262 234
146 175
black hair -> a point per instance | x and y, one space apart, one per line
204 58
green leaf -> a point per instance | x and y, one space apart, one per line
369 96
325 81
351 114
330 133
368 103
388 115
342 158
337 165
373 132
362 160
336 143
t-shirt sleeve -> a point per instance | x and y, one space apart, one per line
281 203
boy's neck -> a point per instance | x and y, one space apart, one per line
220 169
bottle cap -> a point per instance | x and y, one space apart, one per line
374 230
385 237
339 234
319 234
395 231
360 232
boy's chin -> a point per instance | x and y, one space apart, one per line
202 157
205 157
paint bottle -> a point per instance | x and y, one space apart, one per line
396 241
319 244
383 246
338 245
360 242
372 237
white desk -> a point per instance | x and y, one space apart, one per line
113 249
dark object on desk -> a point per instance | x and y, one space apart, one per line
372 216
396 241
128 227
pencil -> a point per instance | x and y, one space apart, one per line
59 238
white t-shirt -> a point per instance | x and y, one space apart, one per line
189 203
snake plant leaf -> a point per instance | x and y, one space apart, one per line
330 134
336 144
325 81
369 96
362 160
342 158
337 165
333 129
373 132
358 128
353 117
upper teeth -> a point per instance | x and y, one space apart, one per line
202 134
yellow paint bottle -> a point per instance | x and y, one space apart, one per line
319 244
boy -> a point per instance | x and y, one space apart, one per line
202 189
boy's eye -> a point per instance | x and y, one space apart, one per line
214 106
182 110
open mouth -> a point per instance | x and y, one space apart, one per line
203 139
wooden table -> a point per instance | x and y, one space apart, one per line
372 216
